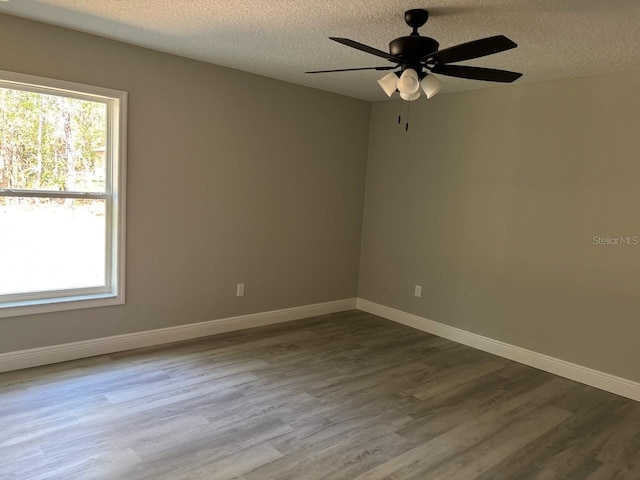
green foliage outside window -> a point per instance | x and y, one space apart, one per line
49 142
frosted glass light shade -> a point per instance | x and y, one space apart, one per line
410 98
389 83
431 85
409 82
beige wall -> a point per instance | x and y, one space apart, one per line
490 202
232 178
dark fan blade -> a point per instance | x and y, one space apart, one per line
353 69
365 48
475 49
477 73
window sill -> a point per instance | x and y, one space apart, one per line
34 307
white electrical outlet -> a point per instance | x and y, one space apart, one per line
418 291
240 290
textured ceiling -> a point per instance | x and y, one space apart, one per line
283 38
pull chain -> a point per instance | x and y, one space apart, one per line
400 113
406 128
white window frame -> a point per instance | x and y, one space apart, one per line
113 293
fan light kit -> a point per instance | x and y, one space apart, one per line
416 58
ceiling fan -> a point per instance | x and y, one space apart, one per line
417 58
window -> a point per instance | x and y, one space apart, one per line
62 185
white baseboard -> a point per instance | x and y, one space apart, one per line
562 368
99 346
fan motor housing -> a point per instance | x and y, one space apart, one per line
413 47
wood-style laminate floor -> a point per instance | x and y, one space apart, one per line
343 396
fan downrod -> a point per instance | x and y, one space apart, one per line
416 18
412 48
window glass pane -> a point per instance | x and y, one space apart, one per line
51 244
50 142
